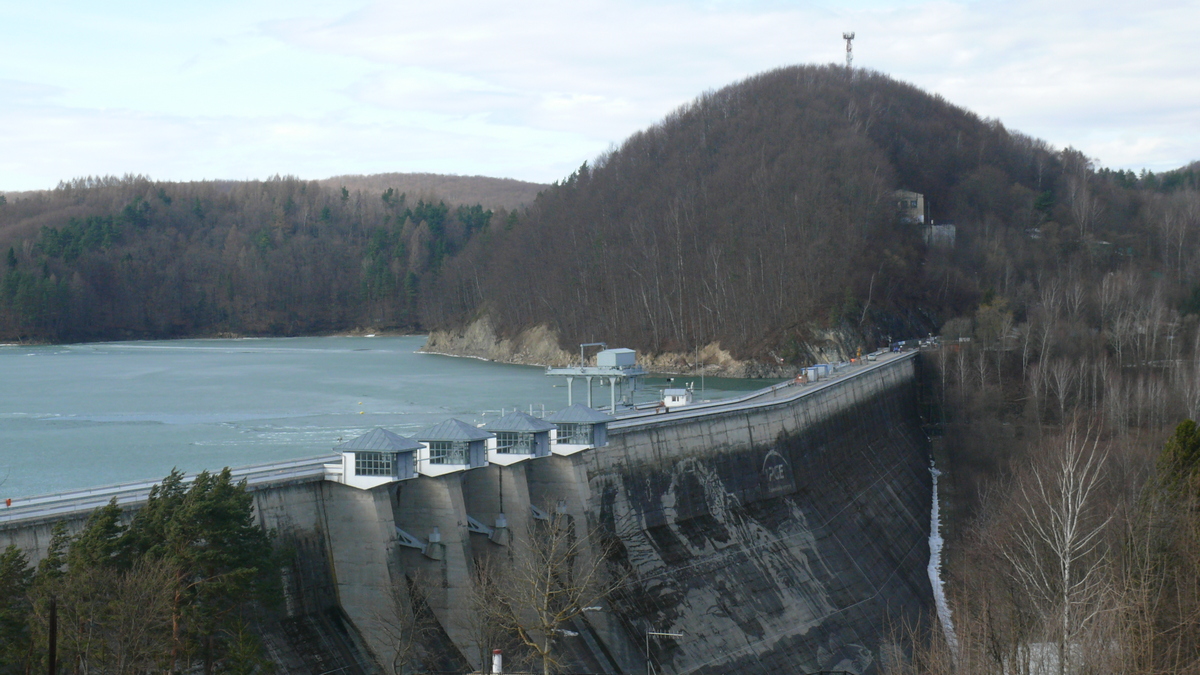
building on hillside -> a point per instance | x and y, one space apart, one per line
579 427
375 458
910 206
940 236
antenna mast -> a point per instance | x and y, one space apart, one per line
849 38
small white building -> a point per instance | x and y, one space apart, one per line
518 437
673 398
451 446
375 458
578 427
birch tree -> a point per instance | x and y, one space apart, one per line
1057 551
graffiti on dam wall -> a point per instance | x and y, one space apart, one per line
793 555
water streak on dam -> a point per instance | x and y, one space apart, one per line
785 531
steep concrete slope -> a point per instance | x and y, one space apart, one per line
779 541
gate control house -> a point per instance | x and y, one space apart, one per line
377 457
519 437
451 446
579 428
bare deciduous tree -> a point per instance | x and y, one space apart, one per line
488 577
408 623
1057 551
1062 376
556 574
111 620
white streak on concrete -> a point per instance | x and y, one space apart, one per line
935 567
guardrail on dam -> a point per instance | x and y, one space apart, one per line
784 531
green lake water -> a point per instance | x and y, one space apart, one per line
76 416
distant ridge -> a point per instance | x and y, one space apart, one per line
492 193
506 193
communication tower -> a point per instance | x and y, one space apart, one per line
849 38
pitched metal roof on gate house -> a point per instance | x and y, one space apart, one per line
380 440
453 430
519 421
579 414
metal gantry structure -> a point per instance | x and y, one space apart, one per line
617 367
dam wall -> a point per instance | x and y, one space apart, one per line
786 538
785 533
788 534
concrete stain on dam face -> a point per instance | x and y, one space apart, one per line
791 556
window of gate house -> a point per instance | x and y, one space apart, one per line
373 464
575 434
447 452
514 442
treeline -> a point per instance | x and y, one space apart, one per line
178 589
131 258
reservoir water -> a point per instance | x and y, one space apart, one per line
76 416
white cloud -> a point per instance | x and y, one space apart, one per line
530 89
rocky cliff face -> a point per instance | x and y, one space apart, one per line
537 346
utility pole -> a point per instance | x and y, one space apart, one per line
53 637
849 38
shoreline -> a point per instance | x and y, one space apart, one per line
472 356
539 346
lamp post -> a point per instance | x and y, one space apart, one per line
655 634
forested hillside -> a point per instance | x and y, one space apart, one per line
110 258
761 217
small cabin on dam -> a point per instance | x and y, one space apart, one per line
375 458
452 446
674 398
579 427
518 437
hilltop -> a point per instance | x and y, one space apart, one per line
758 223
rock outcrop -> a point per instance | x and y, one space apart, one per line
539 346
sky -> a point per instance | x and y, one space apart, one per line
526 89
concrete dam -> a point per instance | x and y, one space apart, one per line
782 532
